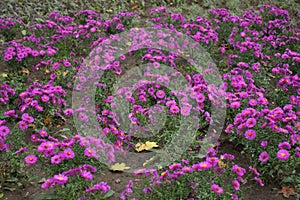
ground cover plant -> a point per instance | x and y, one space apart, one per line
81 91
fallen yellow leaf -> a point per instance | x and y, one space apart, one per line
119 167
145 146
4 75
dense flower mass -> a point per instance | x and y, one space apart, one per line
255 53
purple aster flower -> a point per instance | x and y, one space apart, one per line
264 156
27 118
283 154
284 145
252 102
171 103
187 169
48 183
68 111
235 104
89 152
250 134
86 175
56 159
45 98
185 110
236 184
217 189
22 125
3 146
55 65
252 169
238 170
160 94
264 144
174 109
175 166
69 154
4 130
30 159
60 179
200 98
43 133
258 180
213 160
251 122
21 150
202 166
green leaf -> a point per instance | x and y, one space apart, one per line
1 195
14 179
46 196
109 194
9 188
33 178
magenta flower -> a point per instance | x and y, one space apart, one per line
156 65
251 122
174 109
86 175
264 156
56 159
160 94
43 133
284 145
60 179
27 118
171 103
69 154
45 98
22 125
264 144
175 166
235 104
213 160
45 146
185 110
68 111
89 152
47 183
259 181
217 189
236 184
55 65
200 98
101 186
250 134
283 154
30 159
238 170
202 166
187 169
4 130
254 170
252 102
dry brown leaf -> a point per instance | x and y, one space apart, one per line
25 71
287 191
